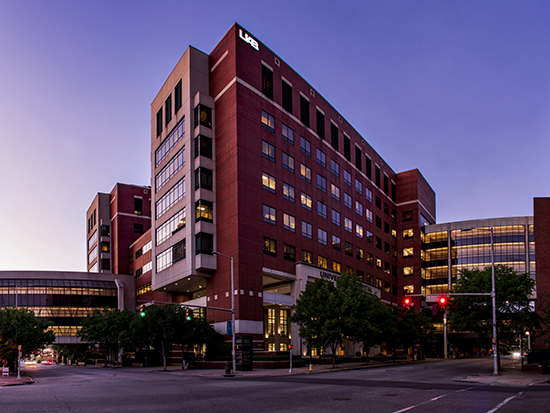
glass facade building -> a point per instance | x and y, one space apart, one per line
448 248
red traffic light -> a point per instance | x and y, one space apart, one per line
407 301
443 301
291 347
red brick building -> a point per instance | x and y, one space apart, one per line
275 177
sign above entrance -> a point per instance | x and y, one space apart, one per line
248 39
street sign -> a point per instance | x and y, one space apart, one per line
229 329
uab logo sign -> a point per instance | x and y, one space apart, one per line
248 39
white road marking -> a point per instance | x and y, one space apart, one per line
504 402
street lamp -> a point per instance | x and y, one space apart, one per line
232 309
494 297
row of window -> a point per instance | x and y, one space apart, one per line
268 121
147 267
289 254
166 146
171 168
174 195
168 108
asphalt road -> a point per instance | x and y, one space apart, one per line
427 387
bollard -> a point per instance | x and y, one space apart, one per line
310 366
228 368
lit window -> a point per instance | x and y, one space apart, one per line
408 233
408 270
203 116
306 201
307 256
368 214
408 252
288 192
289 222
359 208
359 230
321 157
360 254
268 151
270 215
348 225
307 230
270 246
288 162
268 121
305 172
288 134
204 211
335 192
322 261
268 182
322 236
336 266
408 289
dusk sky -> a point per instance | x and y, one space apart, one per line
458 89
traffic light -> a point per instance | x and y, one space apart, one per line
142 310
407 302
187 316
443 301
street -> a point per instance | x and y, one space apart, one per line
422 387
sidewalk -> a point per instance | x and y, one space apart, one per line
12 380
511 375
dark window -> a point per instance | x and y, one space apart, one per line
378 202
204 243
177 97
288 162
267 82
178 251
204 211
138 206
358 158
393 192
368 167
203 147
360 254
407 216
203 116
378 222
386 209
305 146
386 185
304 110
360 275
349 249
347 148
105 230
138 228
290 252
105 264
203 178
320 124
334 135
139 271
378 243
386 228
377 175
159 122
139 253
287 97
168 110
270 246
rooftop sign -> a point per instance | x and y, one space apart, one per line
248 39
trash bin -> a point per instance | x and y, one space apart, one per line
227 368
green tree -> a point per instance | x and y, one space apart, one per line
327 313
110 327
513 303
19 326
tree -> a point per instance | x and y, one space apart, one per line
161 327
327 313
110 327
19 326
513 303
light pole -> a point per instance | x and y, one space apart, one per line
232 310
494 297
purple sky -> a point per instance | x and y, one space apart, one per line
458 89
